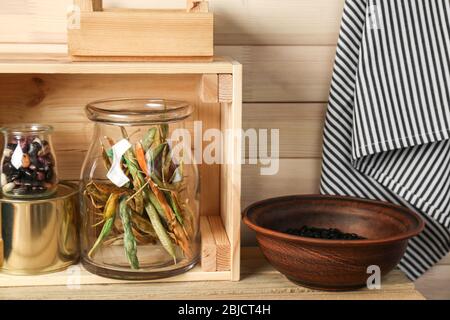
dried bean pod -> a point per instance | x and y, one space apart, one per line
129 239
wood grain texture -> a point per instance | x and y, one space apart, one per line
62 98
209 248
97 5
300 127
197 6
260 281
231 183
271 22
209 88
223 250
159 33
87 278
284 73
88 5
61 64
35 21
226 88
295 176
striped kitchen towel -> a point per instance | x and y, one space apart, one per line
387 128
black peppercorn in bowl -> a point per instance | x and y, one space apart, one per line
329 242
28 165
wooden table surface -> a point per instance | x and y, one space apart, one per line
259 281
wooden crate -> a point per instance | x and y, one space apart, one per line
53 89
95 33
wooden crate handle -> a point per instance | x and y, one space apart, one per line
197 6
97 5
89 5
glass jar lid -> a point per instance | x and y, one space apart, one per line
138 111
33 128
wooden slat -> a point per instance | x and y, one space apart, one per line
209 248
226 88
62 98
234 223
295 176
87 278
284 73
37 51
300 126
230 187
223 250
256 22
274 22
61 64
209 88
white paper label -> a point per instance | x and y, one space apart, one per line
16 158
115 174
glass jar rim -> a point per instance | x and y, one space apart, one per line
138 111
25 128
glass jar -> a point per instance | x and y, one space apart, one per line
28 166
140 203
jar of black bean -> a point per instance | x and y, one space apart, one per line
28 166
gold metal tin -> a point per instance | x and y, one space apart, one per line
40 236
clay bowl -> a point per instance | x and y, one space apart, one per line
336 265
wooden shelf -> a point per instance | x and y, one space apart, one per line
259 281
61 64
86 278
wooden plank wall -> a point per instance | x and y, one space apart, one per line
287 48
